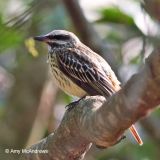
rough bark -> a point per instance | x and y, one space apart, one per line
102 122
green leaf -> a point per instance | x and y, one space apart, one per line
115 15
8 37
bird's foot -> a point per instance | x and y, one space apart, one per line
70 106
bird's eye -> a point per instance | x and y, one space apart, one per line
59 37
50 36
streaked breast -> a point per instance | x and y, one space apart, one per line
62 81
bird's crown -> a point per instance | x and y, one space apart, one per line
59 38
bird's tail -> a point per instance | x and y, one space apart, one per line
136 135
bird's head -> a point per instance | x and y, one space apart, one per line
58 39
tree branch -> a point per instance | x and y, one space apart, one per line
102 122
153 8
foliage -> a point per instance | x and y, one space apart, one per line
9 37
115 15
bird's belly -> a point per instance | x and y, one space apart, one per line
66 84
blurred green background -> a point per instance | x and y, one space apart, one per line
31 106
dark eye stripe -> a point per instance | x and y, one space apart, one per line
59 37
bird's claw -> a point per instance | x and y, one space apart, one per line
70 106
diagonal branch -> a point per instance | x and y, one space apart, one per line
102 122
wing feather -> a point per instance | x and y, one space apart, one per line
86 71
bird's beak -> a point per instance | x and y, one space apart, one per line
41 38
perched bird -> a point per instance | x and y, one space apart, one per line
78 70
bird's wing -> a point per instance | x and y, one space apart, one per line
86 72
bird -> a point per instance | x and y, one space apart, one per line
79 71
